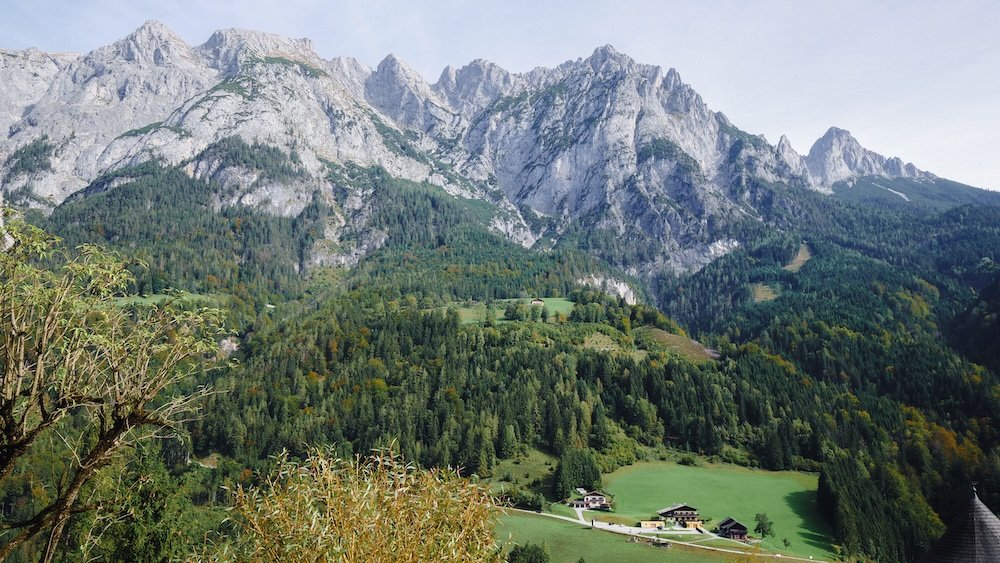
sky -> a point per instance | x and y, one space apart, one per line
915 79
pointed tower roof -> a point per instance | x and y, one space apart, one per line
973 539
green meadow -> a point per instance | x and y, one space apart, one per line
720 491
567 542
475 312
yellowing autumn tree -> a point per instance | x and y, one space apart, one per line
369 509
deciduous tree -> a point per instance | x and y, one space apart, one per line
70 352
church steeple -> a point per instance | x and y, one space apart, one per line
975 538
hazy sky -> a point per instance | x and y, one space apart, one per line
915 79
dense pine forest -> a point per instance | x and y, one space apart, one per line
873 362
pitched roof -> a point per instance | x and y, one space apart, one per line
975 538
676 507
731 523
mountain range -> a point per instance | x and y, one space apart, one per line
594 149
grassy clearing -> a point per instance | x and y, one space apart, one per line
682 345
718 491
532 470
567 543
558 305
803 256
475 312
604 343
763 292
601 342
211 460
161 298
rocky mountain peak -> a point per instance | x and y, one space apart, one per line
227 49
401 92
394 68
351 74
153 43
606 55
838 156
472 87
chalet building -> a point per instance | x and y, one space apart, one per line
537 302
682 514
733 530
592 500
973 538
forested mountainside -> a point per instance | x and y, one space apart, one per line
345 218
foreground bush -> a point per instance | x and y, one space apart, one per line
367 509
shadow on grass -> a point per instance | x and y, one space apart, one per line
803 503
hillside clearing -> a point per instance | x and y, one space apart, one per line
685 347
531 470
763 292
474 312
803 256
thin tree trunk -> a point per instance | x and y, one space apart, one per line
59 512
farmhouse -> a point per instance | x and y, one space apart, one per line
733 530
682 514
592 500
537 302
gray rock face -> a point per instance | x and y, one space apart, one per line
26 77
837 156
601 144
400 92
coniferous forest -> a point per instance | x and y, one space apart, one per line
875 364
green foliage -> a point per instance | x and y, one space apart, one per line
168 220
936 193
577 468
271 162
397 142
528 553
151 516
304 68
142 130
236 86
861 355
83 377
34 157
865 316
179 131
764 527
975 331
665 149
